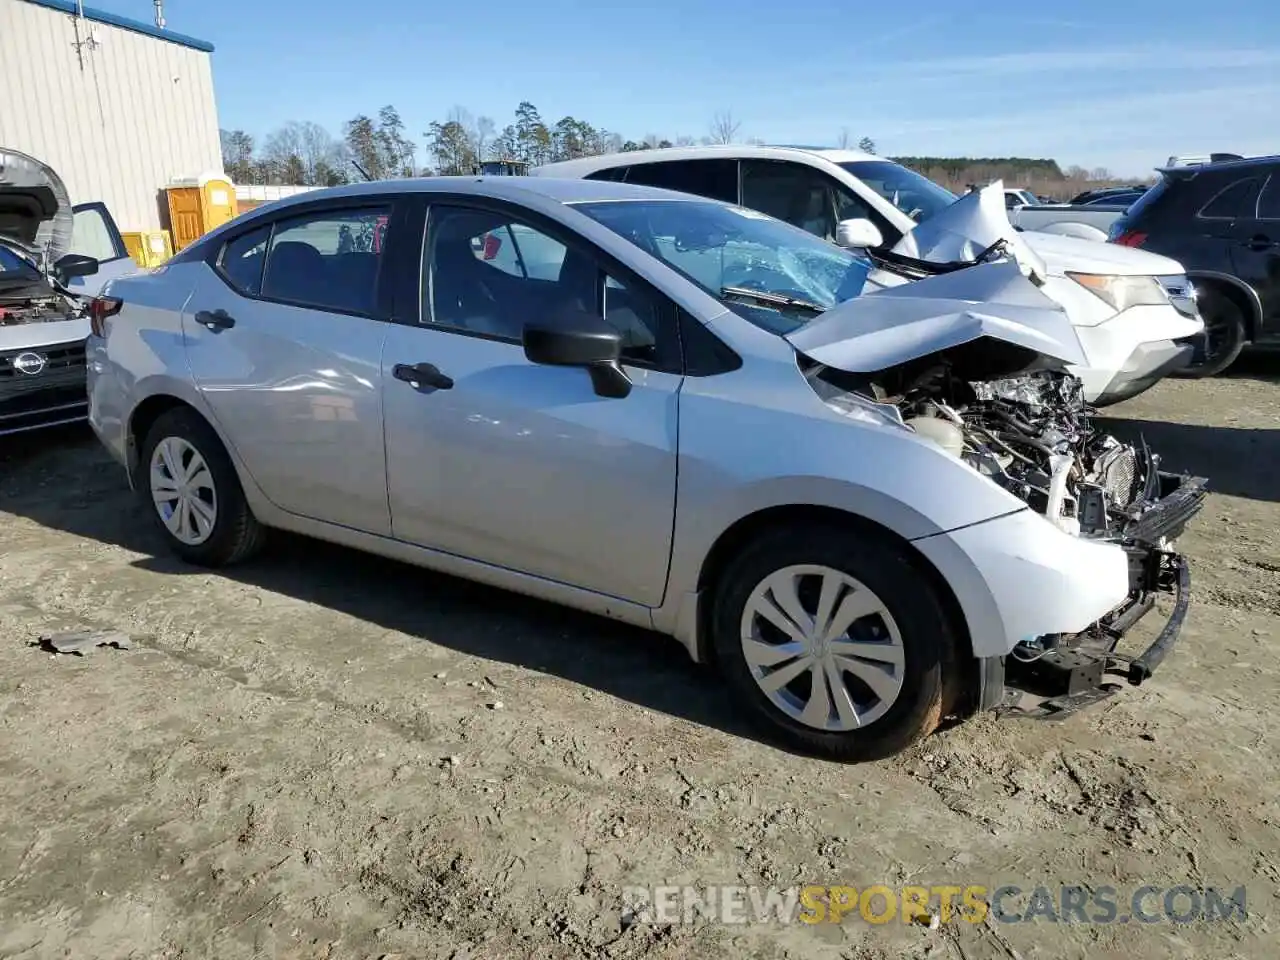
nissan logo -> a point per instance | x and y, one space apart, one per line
29 363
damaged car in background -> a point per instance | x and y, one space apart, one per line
45 291
870 507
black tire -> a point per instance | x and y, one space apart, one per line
886 568
236 534
1225 325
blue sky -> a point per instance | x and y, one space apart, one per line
1115 83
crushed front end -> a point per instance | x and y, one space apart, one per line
1034 435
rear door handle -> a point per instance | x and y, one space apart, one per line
215 320
422 375
1259 242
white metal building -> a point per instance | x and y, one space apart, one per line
118 107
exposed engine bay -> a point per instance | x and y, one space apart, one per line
38 309
1033 434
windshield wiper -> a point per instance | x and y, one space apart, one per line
772 299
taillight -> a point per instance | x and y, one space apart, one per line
1131 238
100 308
492 245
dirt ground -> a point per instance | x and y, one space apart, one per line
324 755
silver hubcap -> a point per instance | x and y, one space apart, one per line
182 490
823 647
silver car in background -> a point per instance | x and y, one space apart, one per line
655 407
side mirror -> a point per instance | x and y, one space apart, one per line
858 234
584 340
74 265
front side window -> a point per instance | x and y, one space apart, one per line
485 273
327 260
92 235
1269 202
774 274
915 195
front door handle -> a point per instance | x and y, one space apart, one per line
1259 242
215 320
422 375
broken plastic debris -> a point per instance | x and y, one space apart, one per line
81 642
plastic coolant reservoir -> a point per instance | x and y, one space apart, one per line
942 432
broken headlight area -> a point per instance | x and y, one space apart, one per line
1034 435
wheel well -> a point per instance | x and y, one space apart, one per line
145 415
1239 297
742 532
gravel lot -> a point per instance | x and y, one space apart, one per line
322 754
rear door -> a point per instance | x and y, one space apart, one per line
284 336
1256 251
518 465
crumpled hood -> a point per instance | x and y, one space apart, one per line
968 227
35 208
891 326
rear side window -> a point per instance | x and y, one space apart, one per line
241 260
1240 199
327 260
611 173
1269 202
1145 202
716 179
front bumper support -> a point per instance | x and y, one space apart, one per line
1071 672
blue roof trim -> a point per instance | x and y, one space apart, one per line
125 23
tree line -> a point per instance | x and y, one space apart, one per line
306 154
303 153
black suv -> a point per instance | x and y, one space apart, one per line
1221 221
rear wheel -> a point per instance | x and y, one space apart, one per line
835 640
190 488
1224 324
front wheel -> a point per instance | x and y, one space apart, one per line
1225 332
834 639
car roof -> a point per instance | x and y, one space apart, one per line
1242 163
738 151
499 187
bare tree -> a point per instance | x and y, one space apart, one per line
481 133
845 139
724 128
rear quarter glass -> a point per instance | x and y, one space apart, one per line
1149 201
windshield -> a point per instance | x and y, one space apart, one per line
776 275
916 196
15 267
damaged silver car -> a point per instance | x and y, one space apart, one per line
45 289
871 510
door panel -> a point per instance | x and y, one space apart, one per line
1255 252
297 392
523 466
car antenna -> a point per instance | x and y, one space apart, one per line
363 172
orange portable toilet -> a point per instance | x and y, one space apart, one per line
198 204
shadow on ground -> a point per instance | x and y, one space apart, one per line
1238 461
67 482
1256 364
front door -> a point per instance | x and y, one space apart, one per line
523 466
288 359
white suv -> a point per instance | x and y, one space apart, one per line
1134 312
